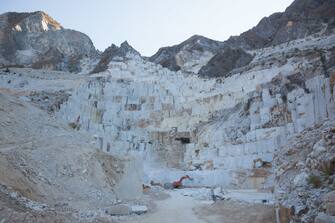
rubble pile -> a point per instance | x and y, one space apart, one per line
305 173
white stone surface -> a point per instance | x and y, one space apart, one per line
134 107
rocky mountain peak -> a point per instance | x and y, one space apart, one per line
35 39
115 53
32 22
126 48
200 41
302 18
311 9
173 57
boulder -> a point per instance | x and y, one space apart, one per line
119 210
139 209
300 180
329 203
318 149
324 218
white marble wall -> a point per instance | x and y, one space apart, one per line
126 105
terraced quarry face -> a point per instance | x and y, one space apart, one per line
222 131
241 130
162 125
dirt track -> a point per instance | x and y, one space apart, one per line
232 212
176 208
179 208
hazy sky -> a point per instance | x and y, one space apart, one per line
150 24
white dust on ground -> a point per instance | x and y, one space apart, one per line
176 208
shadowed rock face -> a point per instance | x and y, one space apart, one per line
36 38
301 18
224 62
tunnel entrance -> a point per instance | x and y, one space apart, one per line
183 140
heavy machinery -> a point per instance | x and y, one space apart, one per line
177 184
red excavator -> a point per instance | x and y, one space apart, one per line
179 183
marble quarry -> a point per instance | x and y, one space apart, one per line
220 131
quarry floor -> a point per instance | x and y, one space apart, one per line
179 208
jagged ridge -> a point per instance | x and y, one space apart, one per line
300 19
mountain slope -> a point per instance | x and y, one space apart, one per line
35 39
197 50
305 169
224 62
114 53
302 18
49 169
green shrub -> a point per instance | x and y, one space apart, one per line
315 181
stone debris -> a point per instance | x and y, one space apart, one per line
119 210
305 173
126 209
44 162
200 194
23 201
139 209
